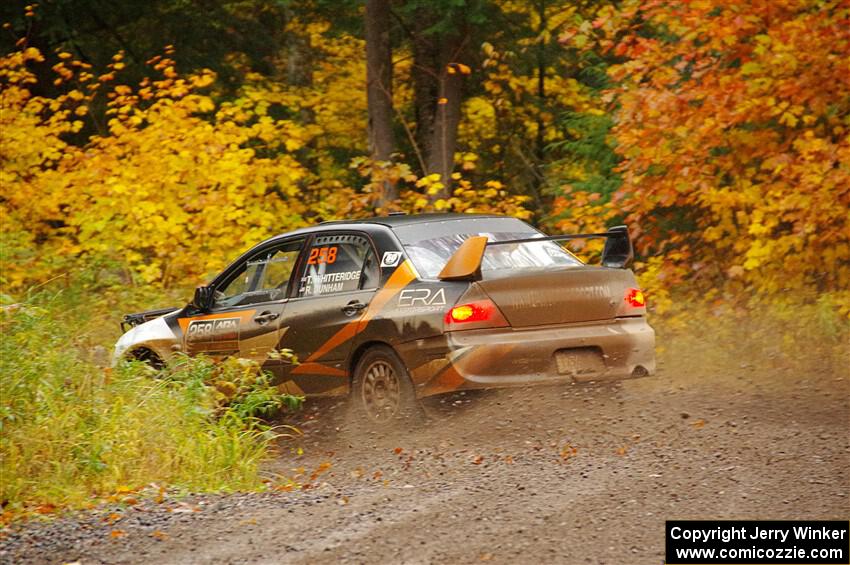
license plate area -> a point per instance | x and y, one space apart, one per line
580 362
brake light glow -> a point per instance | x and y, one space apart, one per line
482 313
636 298
465 313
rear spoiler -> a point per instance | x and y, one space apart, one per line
133 320
465 264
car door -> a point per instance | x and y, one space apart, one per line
250 300
334 284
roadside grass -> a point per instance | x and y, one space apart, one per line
795 337
73 433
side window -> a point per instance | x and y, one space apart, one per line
240 284
337 263
278 271
263 278
371 271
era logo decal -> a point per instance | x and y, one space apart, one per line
422 297
391 259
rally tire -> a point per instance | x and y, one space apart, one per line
382 392
148 357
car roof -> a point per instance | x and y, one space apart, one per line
390 222
377 223
395 220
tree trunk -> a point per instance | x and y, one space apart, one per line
379 86
299 63
437 92
540 141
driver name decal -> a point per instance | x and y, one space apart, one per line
329 283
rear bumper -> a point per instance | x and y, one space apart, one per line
598 351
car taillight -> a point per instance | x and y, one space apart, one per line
635 298
472 315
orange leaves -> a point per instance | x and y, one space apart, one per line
581 211
728 147
309 481
112 518
45 509
320 470
568 452
458 68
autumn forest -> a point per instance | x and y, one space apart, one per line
717 131
144 144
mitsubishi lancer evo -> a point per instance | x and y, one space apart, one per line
392 309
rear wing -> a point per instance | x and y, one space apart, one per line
465 264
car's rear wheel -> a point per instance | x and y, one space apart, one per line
382 390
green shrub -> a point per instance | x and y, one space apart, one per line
70 430
231 385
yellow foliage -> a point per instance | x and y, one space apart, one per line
175 185
175 182
416 193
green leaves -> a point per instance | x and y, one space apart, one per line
73 432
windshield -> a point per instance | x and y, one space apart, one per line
430 245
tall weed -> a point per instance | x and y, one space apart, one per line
71 431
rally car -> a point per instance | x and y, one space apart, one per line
395 308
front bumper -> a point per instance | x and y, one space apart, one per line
502 357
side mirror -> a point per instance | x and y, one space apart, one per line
204 298
618 253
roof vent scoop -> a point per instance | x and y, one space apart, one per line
397 214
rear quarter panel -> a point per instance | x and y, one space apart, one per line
406 310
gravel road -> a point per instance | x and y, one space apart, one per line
571 474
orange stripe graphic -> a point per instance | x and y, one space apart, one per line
243 315
478 359
447 381
318 369
402 277
348 331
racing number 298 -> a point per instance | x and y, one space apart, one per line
320 255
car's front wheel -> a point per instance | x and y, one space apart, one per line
382 390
